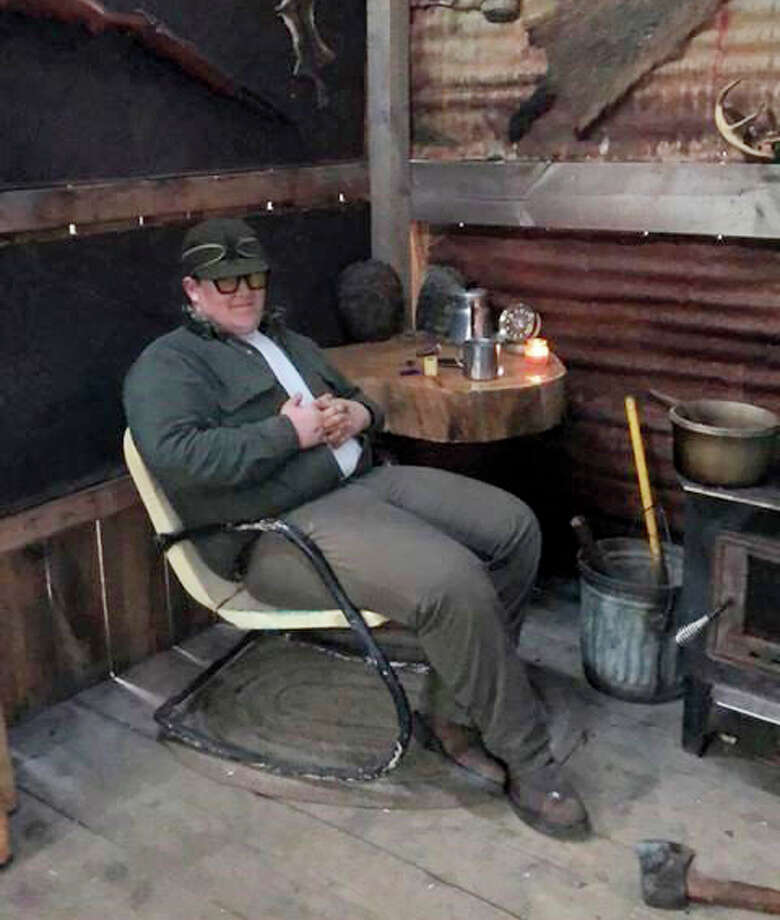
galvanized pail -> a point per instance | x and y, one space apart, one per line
627 622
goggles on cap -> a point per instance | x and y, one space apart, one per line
255 281
207 255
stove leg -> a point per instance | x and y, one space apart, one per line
696 711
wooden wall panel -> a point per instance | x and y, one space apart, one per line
135 588
56 595
76 608
27 645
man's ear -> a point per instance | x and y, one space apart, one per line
190 286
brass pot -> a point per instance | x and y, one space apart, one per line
722 443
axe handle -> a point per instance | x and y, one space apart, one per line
708 890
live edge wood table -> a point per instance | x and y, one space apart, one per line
449 408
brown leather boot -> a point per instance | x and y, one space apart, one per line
546 801
460 744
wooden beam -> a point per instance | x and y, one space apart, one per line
43 521
419 247
159 200
700 199
388 136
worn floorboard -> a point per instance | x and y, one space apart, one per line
111 823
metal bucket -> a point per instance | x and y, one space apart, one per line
627 623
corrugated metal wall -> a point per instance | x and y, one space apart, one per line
468 76
692 318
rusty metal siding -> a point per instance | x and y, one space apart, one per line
466 77
469 76
691 318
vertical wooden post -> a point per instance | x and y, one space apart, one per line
388 136
419 246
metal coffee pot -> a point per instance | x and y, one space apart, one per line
470 318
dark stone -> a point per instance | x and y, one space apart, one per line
370 301
439 295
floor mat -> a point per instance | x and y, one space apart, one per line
292 701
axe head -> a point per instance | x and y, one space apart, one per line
663 868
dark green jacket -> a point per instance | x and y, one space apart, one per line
204 412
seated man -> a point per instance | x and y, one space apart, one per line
240 418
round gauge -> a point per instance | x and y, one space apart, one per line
519 322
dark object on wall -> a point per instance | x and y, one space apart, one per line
439 296
77 312
492 10
541 101
153 34
144 117
311 52
370 301
598 50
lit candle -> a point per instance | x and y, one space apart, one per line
537 351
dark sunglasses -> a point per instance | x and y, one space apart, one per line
255 281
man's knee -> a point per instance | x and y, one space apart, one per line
518 535
454 594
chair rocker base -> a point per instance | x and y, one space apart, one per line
171 716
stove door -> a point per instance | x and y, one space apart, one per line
746 572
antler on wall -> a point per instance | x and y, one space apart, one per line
765 148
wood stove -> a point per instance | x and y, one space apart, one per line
732 560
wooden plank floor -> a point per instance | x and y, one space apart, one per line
110 824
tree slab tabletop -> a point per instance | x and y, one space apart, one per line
450 408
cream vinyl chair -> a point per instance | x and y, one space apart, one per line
231 601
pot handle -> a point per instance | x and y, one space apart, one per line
664 398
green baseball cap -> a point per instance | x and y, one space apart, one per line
222 247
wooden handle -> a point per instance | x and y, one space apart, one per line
645 492
590 549
664 398
707 890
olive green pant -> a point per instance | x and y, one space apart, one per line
449 557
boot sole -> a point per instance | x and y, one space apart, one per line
574 832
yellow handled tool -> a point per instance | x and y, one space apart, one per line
645 492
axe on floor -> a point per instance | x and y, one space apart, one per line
669 881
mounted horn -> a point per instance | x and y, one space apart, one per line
728 130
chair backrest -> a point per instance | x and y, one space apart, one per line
197 579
